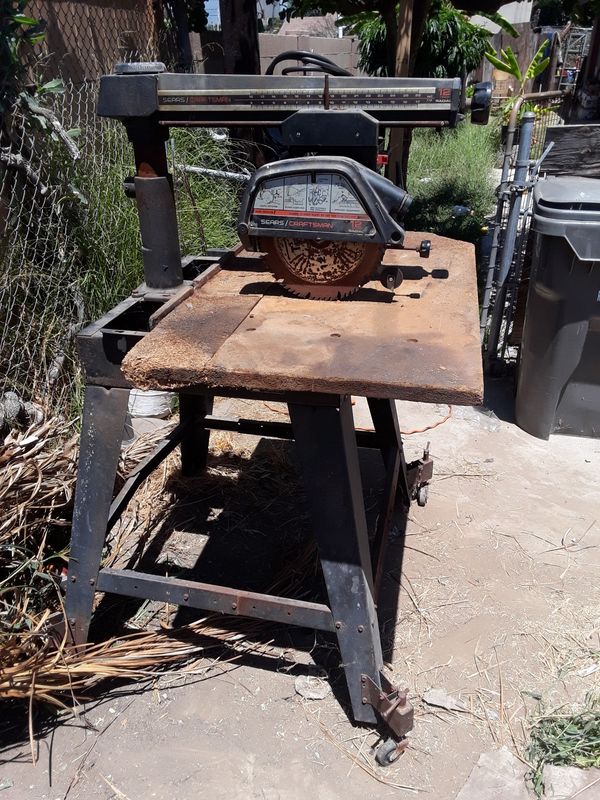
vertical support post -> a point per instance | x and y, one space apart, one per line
385 422
185 60
194 445
161 252
104 413
326 445
512 226
500 206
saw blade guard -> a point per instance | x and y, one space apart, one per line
322 198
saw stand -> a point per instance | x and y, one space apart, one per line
321 426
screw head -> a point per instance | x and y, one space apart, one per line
92 581
338 625
234 606
73 578
361 628
186 596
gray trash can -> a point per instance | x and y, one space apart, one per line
558 387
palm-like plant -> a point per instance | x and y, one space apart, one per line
507 62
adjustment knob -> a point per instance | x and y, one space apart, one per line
425 248
391 278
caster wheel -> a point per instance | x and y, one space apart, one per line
389 752
422 495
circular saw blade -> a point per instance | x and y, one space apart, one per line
322 270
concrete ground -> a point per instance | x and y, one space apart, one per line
499 607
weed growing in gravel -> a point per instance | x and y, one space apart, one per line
565 740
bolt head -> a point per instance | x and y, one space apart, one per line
361 628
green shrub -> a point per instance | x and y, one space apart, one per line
449 168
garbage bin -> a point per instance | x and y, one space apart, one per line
558 388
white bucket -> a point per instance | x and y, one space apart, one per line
150 403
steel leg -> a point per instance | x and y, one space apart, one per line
385 422
326 444
194 445
104 413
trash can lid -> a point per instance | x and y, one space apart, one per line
570 207
568 192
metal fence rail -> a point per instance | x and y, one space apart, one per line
521 162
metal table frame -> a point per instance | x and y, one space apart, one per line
327 444
323 430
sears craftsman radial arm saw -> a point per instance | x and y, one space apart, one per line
323 217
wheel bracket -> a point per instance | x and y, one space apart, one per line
419 473
390 703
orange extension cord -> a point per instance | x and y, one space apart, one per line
371 430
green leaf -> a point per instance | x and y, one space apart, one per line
501 21
539 68
74 132
21 19
512 60
538 62
501 65
33 37
55 86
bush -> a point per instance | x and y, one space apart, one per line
449 168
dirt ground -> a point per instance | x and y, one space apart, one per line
499 606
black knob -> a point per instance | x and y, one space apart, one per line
391 278
425 248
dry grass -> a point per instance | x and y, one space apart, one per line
35 502
36 490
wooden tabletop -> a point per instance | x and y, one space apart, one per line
242 330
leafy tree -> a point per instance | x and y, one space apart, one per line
450 43
557 13
389 12
17 29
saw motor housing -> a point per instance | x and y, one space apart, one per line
324 223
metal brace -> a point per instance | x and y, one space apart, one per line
390 703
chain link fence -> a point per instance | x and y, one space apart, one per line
83 40
69 243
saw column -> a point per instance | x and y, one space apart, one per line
156 204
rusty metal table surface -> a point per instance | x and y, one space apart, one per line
242 330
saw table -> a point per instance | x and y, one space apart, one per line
221 325
243 329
